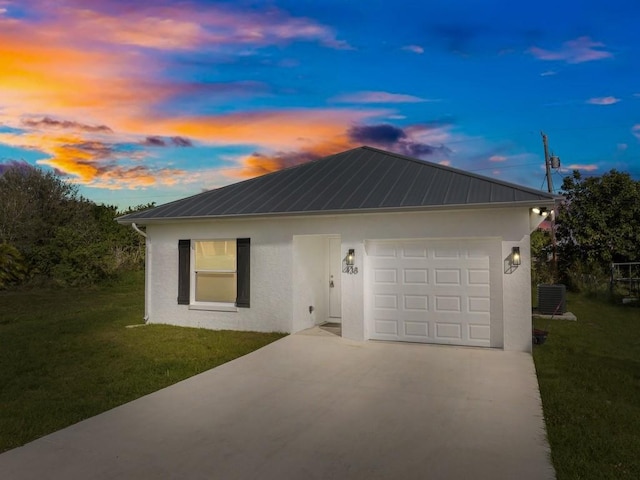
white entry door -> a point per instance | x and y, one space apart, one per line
430 291
334 279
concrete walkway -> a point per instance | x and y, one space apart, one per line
316 406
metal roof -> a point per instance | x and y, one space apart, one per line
358 180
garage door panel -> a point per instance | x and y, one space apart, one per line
478 305
415 303
415 276
448 303
385 276
385 302
449 331
479 332
386 327
413 251
447 276
449 252
432 292
416 329
477 276
384 250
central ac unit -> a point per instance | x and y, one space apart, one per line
552 299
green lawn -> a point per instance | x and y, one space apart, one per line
66 355
589 376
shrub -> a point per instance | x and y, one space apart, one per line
12 266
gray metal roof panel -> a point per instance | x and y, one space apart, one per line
318 189
364 178
358 190
386 183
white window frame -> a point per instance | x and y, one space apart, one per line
217 306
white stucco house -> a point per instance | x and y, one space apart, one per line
391 247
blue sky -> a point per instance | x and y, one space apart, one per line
150 101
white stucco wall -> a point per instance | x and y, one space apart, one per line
288 254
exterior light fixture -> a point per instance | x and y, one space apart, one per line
350 257
349 262
542 211
515 256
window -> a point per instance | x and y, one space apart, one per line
215 271
219 272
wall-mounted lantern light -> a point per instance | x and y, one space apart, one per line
350 257
349 262
515 256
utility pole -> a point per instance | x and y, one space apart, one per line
547 162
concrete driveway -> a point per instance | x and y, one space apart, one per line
316 406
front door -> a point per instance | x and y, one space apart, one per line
334 273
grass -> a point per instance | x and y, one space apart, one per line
65 355
589 376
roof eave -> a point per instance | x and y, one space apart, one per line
474 206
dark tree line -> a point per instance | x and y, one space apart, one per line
49 234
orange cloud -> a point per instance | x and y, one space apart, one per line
38 75
92 163
417 141
275 129
262 163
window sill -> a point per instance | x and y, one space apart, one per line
214 307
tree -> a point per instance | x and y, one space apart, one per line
541 250
31 203
599 222
60 237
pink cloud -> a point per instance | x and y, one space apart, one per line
184 27
580 50
636 130
378 97
603 100
587 167
413 48
497 158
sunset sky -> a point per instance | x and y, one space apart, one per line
149 101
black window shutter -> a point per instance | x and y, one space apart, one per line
243 269
184 271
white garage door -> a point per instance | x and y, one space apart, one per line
430 292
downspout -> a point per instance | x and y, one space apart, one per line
147 264
135 227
